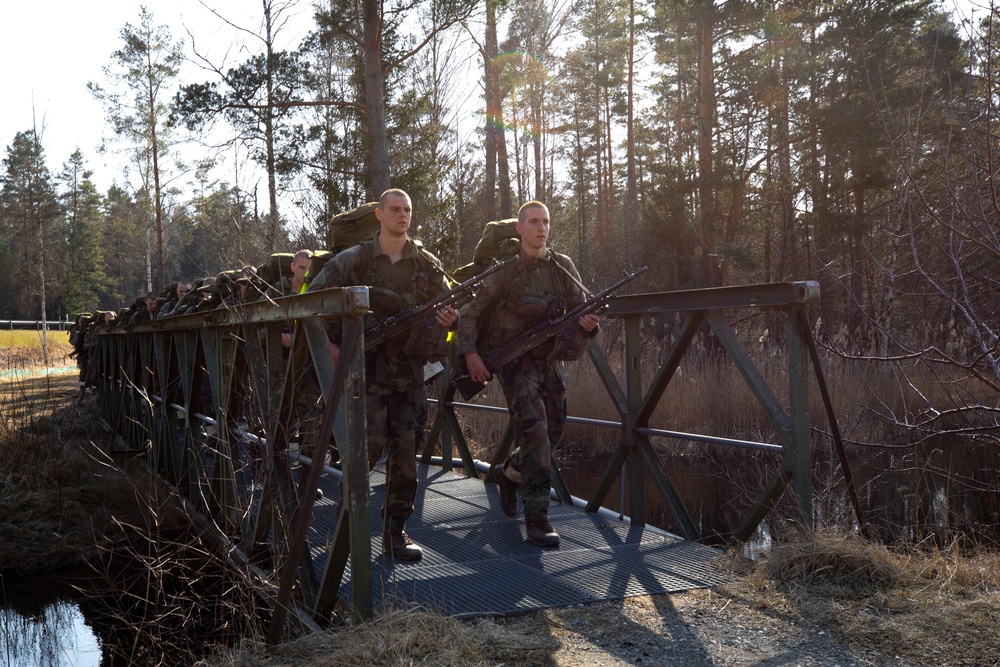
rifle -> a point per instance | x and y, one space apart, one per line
564 325
393 325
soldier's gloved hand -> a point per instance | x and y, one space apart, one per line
477 369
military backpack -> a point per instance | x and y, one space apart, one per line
499 239
278 266
350 228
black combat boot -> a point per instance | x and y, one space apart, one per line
540 531
395 541
507 488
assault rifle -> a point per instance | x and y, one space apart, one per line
564 325
393 325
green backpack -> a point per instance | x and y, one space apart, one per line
317 260
350 228
499 239
278 266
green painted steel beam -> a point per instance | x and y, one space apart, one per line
768 295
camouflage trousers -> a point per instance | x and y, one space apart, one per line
536 400
308 411
396 422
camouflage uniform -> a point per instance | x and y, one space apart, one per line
140 316
394 381
522 295
306 387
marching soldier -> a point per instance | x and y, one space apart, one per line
539 285
400 274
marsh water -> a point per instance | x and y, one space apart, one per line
912 495
43 623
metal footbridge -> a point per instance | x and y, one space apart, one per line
210 398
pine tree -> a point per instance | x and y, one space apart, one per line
84 260
29 217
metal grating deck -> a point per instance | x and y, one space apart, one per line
477 561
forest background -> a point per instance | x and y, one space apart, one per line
849 142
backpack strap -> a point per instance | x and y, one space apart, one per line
561 261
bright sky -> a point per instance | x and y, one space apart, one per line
52 48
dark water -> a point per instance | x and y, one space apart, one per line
929 495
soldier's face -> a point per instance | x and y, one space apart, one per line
299 268
182 291
534 229
150 303
396 215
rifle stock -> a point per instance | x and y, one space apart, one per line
393 325
565 325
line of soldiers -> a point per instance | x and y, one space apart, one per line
401 274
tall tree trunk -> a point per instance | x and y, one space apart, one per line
601 222
706 116
492 96
272 186
375 130
157 196
631 185
503 168
786 192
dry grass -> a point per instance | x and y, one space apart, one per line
23 349
929 606
60 500
400 637
918 608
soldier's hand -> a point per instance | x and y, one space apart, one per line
446 316
334 351
589 322
477 369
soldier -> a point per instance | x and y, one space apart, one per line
540 285
400 274
104 319
146 314
246 289
307 391
170 307
287 286
293 284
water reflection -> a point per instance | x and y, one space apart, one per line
41 625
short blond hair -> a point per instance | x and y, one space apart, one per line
534 203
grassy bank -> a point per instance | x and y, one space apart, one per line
24 349
61 501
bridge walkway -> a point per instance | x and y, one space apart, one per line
477 560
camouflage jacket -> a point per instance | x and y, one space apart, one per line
281 288
141 316
516 298
415 279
